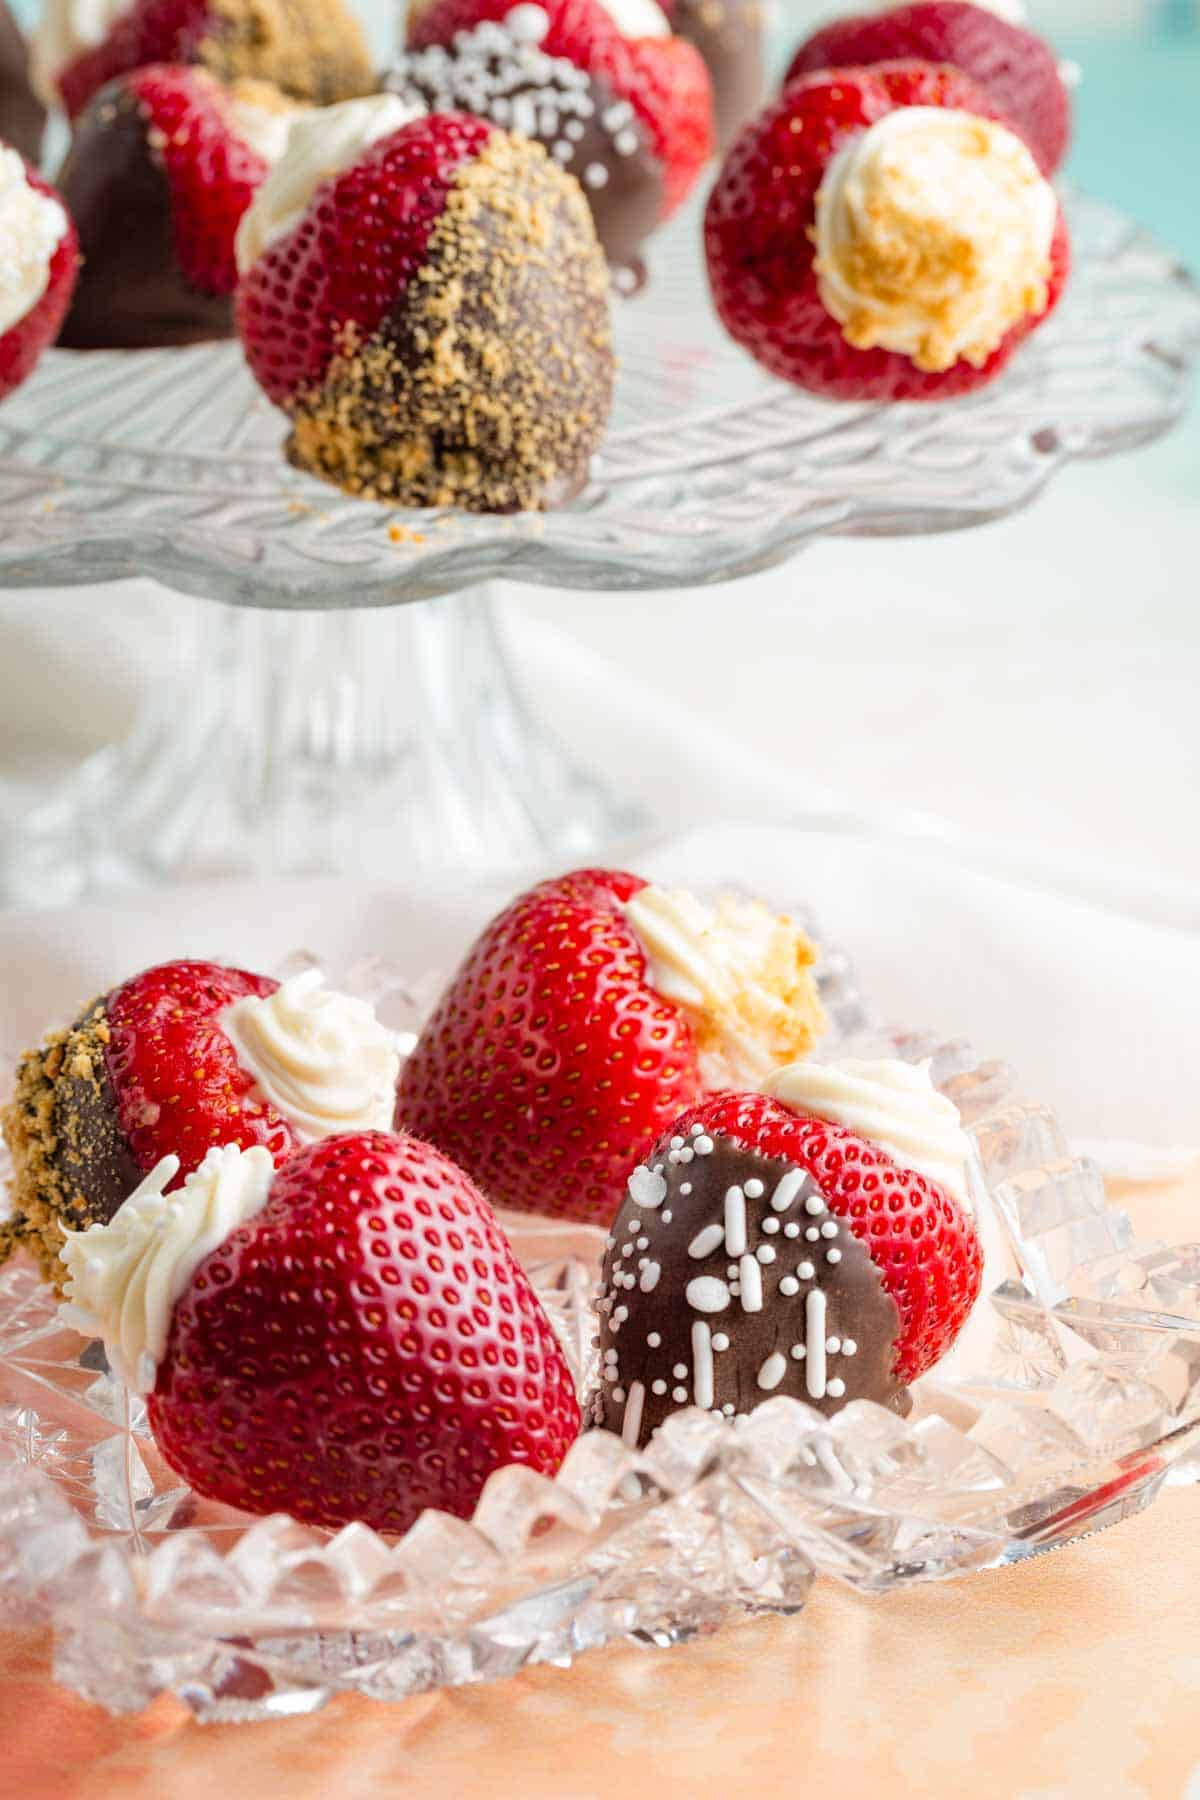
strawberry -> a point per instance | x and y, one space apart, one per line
182 1058
311 49
484 384
761 1250
1016 69
759 239
54 245
176 1080
356 1341
663 78
551 1057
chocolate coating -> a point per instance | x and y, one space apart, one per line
729 36
131 293
22 115
588 131
660 1248
72 1164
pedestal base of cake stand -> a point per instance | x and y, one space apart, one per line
381 743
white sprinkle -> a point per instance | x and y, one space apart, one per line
751 1285
654 1339
791 1229
697 1131
814 1205
836 1387
833 1345
720 1341
799 1352
806 1271
707 1294
633 1225
702 1362
833 1256
753 1188
770 1225
679 1371
687 1154
595 176
706 1241
829 1229
643 1243
626 1249
625 143
814 1331
812 1234
620 1316
704 1145
789 1286
731 1271
849 1347
727 1409
685 1187
679 1395
677 1143
618 1394
788 1189
658 1387
666 1218
772 1371
631 1424
735 1221
765 1253
648 1280
647 1188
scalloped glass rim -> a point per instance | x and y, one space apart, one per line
167 464
1073 1395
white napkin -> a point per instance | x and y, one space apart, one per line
1097 1011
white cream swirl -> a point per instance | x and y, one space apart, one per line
64 31
320 1058
322 142
933 234
741 972
32 226
894 1104
124 1278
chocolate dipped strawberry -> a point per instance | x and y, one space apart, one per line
313 50
22 115
1015 68
347 1338
163 164
816 1241
648 89
883 234
585 1017
731 37
425 297
182 1058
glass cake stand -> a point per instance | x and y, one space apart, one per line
303 744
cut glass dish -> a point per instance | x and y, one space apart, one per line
1071 1398
167 462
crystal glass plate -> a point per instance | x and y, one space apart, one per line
167 463
1071 1398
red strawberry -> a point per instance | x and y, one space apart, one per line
22 344
760 250
157 179
363 1345
664 79
551 1058
1016 69
339 330
312 49
176 1079
761 1252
